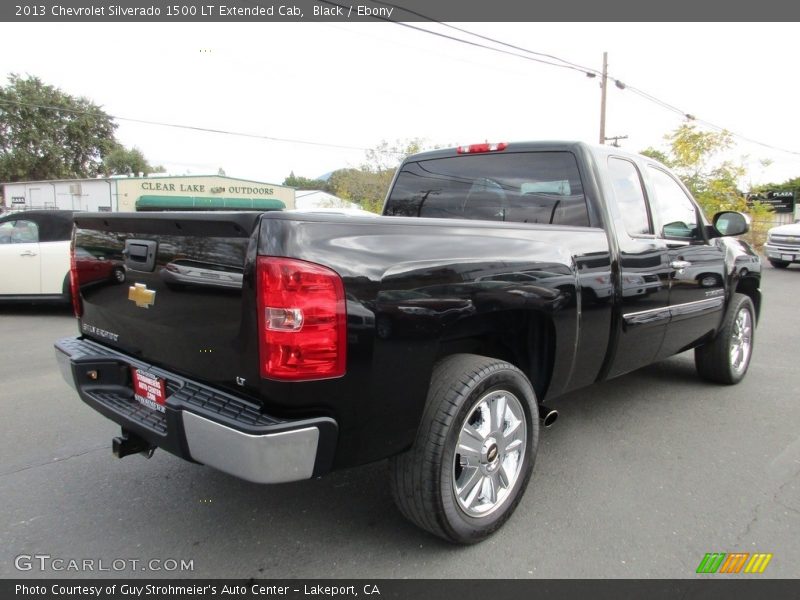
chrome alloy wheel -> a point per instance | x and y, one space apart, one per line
741 340
490 453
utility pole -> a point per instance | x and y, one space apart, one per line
603 86
614 139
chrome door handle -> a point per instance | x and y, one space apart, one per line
680 265
27 253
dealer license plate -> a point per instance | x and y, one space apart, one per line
149 390
787 257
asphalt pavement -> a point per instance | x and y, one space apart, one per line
640 477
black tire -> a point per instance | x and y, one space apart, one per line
424 478
713 360
66 290
778 264
118 275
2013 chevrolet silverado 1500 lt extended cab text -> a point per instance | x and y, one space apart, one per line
279 346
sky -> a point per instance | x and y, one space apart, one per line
357 84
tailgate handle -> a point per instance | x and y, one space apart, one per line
140 255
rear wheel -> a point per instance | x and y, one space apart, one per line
778 264
474 452
66 290
726 358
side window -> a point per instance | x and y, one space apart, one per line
25 232
19 232
630 196
676 211
5 232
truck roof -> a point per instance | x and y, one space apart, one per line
527 146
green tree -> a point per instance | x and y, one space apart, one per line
368 184
360 186
790 185
48 134
656 155
123 161
696 157
304 183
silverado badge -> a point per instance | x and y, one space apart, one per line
143 297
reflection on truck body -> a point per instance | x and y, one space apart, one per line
183 272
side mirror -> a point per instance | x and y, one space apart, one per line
731 223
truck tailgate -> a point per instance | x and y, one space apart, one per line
167 288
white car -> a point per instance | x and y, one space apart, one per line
34 255
783 245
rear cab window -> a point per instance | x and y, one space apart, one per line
522 187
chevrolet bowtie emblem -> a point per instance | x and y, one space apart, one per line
143 297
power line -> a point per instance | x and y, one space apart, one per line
189 127
461 40
657 101
489 39
567 65
747 139
589 71
708 124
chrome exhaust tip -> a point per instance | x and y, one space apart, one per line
547 416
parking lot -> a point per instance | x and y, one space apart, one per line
640 477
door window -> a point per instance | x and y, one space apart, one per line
630 196
19 232
677 213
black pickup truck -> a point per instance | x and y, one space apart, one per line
279 346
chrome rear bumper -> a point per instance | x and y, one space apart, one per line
199 423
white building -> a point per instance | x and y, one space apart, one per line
154 192
66 194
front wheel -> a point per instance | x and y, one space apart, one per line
725 359
474 452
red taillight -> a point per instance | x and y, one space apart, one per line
302 320
476 148
74 285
